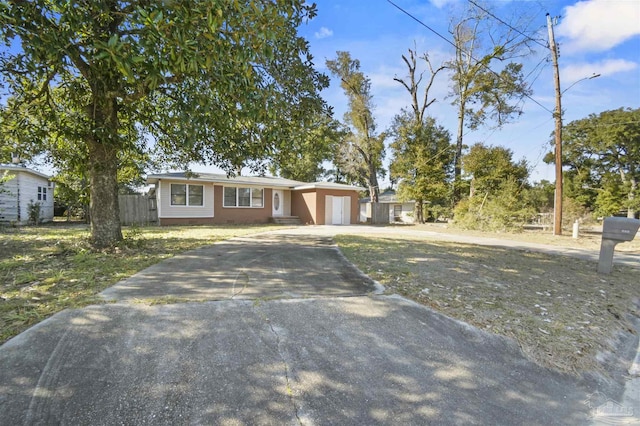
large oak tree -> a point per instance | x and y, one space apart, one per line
215 82
602 156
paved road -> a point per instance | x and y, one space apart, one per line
306 341
620 258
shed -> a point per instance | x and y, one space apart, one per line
24 187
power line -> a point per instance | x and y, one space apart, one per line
468 53
508 25
423 24
539 72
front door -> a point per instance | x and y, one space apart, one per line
278 202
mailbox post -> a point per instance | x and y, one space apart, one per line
614 230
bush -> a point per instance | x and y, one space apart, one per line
504 211
33 209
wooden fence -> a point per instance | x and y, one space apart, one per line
379 213
138 210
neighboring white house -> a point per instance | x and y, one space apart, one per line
399 211
24 187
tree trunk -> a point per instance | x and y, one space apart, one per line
103 146
631 211
418 215
374 190
104 210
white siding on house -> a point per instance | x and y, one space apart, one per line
22 191
365 212
9 199
406 216
29 185
166 210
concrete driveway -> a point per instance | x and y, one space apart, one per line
270 265
327 351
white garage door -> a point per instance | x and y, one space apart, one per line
337 210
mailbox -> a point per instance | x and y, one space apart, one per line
620 228
615 230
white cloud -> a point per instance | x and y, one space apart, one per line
442 3
323 33
383 78
575 72
597 25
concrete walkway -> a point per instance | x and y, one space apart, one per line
285 331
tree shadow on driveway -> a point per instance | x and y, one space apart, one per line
357 360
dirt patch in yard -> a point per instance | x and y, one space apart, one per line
562 313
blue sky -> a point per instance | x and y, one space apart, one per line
595 36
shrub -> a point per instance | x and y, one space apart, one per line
33 210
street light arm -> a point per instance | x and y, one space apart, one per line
578 81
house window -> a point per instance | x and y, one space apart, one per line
42 193
196 195
243 197
230 197
187 195
256 197
397 212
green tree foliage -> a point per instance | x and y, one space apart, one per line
498 186
4 178
602 157
485 84
309 150
360 155
540 196
72 191
506 211
422 162
488 167
220 83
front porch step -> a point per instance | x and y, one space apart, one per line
286 220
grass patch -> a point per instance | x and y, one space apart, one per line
561 312
46 269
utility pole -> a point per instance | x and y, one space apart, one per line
557 210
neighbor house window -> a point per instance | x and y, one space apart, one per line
187 195
42 193
243 197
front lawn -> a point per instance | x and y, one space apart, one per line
46 269
561 312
